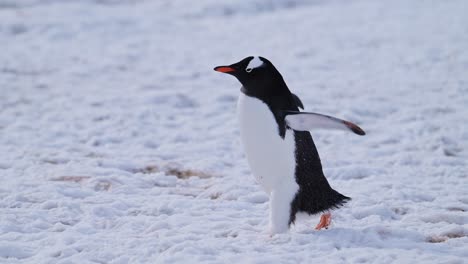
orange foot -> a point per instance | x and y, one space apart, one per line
325 221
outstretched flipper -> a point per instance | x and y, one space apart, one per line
305 121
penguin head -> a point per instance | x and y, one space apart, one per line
256 74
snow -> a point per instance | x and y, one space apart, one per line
120 144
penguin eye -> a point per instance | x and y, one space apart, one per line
248 70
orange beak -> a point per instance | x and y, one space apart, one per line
224 69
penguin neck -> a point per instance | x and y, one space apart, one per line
267 90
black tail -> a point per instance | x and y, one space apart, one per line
316 201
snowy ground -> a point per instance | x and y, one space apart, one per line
119 143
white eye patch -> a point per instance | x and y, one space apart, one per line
255 62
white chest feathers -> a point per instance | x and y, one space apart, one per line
270 157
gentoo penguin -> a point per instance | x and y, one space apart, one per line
279 149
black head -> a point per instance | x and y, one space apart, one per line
258 76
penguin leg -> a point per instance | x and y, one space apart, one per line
325 221
280 208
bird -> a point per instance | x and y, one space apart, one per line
278 146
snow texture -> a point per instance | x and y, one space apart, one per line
120 144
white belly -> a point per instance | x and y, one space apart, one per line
270 157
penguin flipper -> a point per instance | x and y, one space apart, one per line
298 101
305 121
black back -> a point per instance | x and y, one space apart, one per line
266 83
